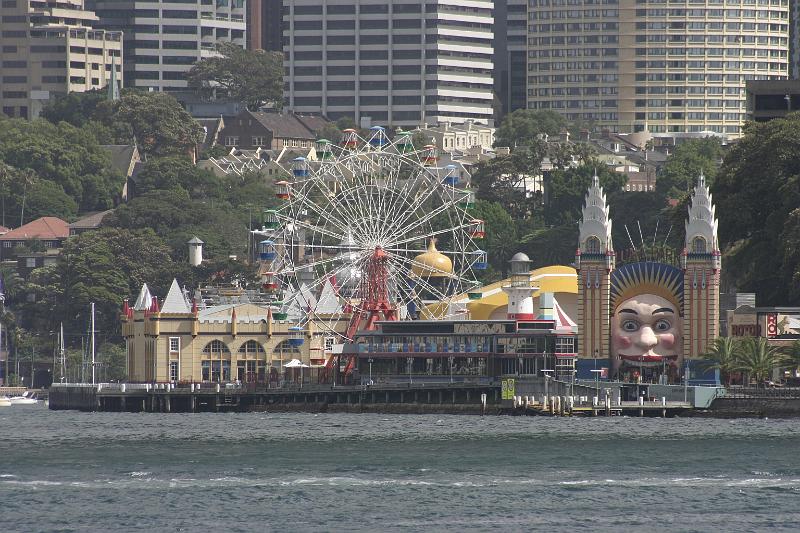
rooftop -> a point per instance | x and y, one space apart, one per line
44 228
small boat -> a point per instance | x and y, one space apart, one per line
24 399
4 401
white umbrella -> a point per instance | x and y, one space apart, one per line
296 363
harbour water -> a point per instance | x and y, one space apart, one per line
71 471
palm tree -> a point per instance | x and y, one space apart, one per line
758 358
723 354
792 358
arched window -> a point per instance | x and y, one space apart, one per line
698 245
284 348
251 348
592 245
216 347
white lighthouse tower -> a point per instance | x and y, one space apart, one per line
520 292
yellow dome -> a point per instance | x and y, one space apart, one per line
432 263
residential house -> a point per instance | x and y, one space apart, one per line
250 130
87 223
44 233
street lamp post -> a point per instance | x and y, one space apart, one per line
370 370
546 372
451 360
596 373
410 362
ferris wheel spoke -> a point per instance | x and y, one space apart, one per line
401 221
317 229
428 235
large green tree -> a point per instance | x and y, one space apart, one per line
689 159
757 194
61 154
75 108
155 121
501 240
254 77
106 265
524 126
502 180
566 190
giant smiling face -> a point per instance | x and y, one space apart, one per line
646 331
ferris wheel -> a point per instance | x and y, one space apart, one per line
373 229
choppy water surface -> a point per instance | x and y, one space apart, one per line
71 471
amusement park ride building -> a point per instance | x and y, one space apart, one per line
179 340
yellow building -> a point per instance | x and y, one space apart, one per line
491 303
179 341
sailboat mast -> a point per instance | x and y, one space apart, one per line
62 354
93 351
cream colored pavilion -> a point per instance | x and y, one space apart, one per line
178 341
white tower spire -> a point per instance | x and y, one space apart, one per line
701 227
595 226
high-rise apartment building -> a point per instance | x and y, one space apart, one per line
265 25
50 47
164 38
399 62
664 66
511 54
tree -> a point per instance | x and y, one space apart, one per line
177 173
757 193
47 198
689 159
254 77
501 241
62 154
792 358
758 358
114 357
502 180
155 121
75 108
524 126
106 265
724 354
566 190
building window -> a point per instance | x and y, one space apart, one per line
565 345
231 141
216 347
173 371
251 348
174 345
698 245
592 245
30 262
258 141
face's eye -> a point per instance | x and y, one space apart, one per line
662 325
630 325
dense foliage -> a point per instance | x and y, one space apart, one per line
254 77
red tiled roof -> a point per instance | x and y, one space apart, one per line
41 229
4 229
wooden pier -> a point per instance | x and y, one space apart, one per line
194 398
595 406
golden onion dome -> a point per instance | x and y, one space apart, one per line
432 263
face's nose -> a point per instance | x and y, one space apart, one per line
647 338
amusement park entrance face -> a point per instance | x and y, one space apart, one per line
646 332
